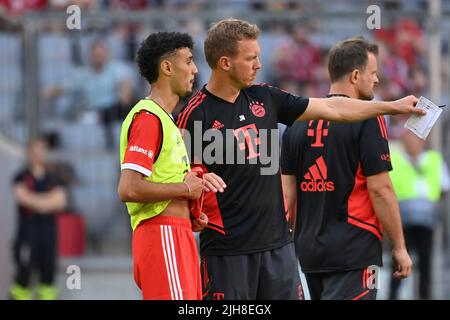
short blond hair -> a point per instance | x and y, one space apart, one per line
223 36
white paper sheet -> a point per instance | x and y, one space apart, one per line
421 125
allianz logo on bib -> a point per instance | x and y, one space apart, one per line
138 149
317 178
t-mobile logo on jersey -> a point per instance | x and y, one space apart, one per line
243 145
218 296
317 175
251 140
319 132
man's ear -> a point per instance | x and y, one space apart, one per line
224 63
166 67
354 76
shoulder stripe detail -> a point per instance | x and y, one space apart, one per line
383 121
191 106
192 101
382 125
187 112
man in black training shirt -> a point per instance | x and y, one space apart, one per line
336 175
39 195
247 251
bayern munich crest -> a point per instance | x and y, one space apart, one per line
257 109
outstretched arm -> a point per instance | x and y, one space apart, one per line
343 109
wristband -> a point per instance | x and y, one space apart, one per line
189 189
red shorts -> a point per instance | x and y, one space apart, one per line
165 258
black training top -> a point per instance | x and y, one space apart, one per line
250 216
43 184
336 226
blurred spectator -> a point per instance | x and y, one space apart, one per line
102 89
320 83
296 60
39 196
409 41
403 56
420 176
394 71
83 4
122 42
188 5
18 7
418 80
128 4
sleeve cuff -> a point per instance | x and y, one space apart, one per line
136 167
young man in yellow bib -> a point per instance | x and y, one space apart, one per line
156 182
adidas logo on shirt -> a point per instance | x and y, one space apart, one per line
317 178
217 125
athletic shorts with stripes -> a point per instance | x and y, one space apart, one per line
166 261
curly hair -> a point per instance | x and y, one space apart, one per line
157 46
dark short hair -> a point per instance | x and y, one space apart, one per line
157 46
349 55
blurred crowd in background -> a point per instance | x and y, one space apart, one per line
87 80
296 61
